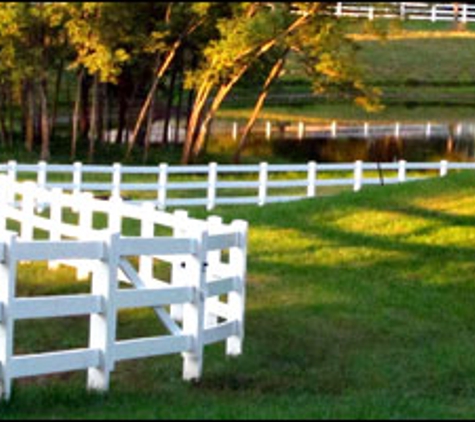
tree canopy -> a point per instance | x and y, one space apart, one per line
128 60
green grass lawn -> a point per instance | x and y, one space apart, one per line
358 306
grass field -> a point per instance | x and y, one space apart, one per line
358 306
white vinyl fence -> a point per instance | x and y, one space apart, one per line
433 12
218 184
201 303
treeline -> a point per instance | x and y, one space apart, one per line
123 61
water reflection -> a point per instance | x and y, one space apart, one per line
370 142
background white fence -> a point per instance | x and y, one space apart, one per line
433 12
218 184
201 303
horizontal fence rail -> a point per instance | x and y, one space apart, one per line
211 185
202 301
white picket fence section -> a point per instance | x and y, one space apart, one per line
433 12
269 182
202 303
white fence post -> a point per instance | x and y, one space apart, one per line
334 129
12 176
28 211
77 181
301 130
116 179
7 293
263 177
235 131
236 298
56 217
114 223
41 182
401 174
147 227
162 186
212 179
311 178
213 261
366 129
444 168
3 201
268 130
397 130
371 13
86 215
193 312
428 129
41 175
180 262
339 8
103 324
358 176
433 17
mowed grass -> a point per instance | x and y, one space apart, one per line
358 306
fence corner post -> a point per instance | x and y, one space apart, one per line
103 324
193 312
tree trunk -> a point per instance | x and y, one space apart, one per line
176 136
159 74
77 108
273 75
168 110
45 134
59 76
199 103
10 117
218 99
29 116
196 135
84 113
143 111
122 113
92 136
148 132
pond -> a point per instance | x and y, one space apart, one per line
367 141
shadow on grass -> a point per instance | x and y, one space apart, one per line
389 324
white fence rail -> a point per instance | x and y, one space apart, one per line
201 303
217 184
433 12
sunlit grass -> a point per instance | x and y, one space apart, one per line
358 306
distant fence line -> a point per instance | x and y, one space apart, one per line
242 184
200 277
433 12
363 130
